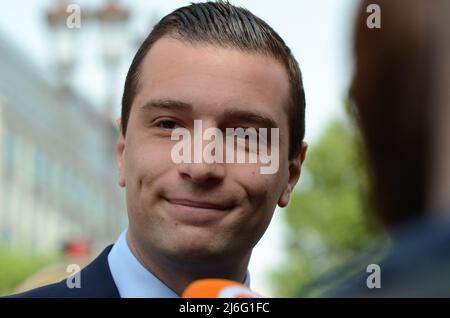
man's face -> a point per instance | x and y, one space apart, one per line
199 211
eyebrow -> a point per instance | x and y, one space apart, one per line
166 104
250 117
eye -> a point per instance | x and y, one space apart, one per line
245 137
167 124
246 133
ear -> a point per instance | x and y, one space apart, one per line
120 150
295 168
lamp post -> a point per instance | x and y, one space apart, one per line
114 34
63 41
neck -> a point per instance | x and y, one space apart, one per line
177 275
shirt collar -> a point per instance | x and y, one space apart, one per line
132 279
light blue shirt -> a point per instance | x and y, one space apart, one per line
132 279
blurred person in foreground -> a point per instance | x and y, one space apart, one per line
222 65
401 101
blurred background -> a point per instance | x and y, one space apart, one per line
60 91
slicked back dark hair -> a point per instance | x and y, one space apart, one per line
224 25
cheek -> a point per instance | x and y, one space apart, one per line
146 164
145 161
262 190
267 192
262 193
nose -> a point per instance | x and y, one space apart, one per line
202 174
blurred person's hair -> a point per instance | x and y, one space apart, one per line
224 25
397 100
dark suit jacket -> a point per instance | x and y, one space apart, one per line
96 282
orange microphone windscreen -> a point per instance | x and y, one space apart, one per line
218 288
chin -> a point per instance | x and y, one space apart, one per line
195 251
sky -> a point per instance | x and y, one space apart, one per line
319 33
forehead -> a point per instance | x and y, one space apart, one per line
213 79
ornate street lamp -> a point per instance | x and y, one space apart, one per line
63 40
114 35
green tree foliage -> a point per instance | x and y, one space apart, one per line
328 218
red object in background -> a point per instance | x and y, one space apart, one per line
78 248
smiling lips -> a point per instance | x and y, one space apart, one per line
196 212
199 204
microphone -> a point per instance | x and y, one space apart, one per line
218 288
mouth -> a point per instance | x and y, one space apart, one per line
196 212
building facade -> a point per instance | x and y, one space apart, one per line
58 180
